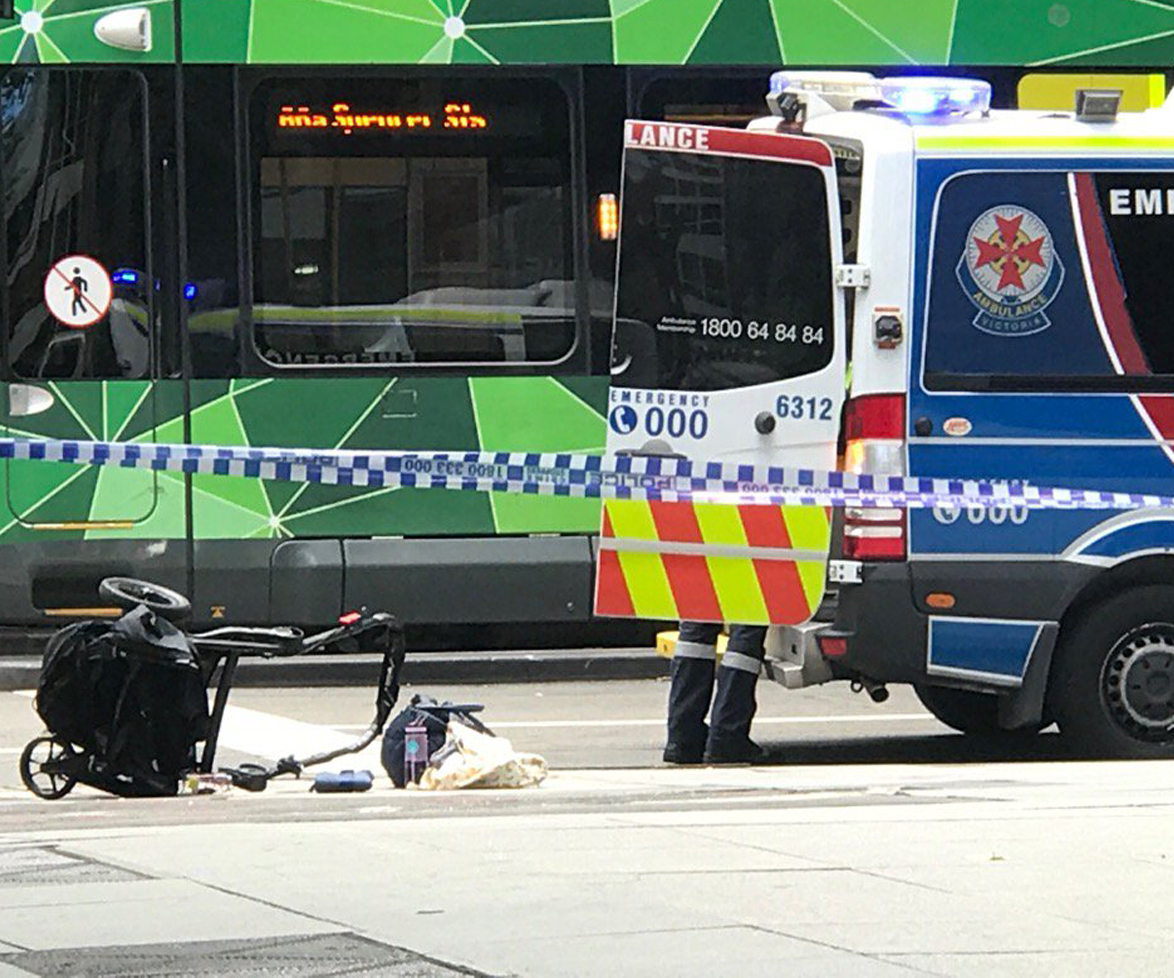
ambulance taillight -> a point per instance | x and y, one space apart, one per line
874 431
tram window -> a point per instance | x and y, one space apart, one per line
725 272
730 98
73 149
412 221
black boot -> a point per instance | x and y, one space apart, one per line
733 710
689 695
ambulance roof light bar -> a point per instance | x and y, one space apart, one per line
921 96
820 92
918 96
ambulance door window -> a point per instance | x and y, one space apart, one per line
73 144
724 274
1137 211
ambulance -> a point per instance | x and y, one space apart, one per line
886 275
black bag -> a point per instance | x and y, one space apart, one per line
426 712
132 695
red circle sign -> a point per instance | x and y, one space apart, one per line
78 291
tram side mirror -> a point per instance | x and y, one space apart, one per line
128 30
25 400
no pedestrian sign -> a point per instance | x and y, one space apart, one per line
78 291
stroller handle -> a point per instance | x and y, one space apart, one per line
271 642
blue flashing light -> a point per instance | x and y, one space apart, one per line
936 96
189 291
125 276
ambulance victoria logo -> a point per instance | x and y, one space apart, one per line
1010 271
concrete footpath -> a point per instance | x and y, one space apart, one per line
880 870
877 843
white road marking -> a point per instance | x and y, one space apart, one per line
659 722
271 735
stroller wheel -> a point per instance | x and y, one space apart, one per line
41 768
129 593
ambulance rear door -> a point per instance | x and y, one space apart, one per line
729 346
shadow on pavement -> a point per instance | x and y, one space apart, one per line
935 749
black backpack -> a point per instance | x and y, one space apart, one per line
130 694
426 712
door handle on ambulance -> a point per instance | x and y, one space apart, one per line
25 400
649 453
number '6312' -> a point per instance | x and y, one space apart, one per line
804 408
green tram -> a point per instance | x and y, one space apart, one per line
367 224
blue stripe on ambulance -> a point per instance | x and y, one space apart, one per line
1146 534
981 648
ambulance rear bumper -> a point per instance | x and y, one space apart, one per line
794 658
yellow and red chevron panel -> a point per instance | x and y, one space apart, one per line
751 565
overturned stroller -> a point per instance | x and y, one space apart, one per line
126 705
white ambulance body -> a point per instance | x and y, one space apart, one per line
1004 304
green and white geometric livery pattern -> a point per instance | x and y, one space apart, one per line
539 414
62 31
667 32
766 32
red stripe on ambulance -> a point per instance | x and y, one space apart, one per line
765 526
782 590
676 137
692 587
676 521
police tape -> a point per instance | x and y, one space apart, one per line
637 477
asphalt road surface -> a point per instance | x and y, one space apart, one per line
876 842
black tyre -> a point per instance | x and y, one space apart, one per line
42 753
1112 685
129 593
976 714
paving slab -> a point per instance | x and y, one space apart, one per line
1155 962
140 912
701 951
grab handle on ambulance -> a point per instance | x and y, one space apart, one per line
650 453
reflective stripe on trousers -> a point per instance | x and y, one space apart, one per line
741 662
694 650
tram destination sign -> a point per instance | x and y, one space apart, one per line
345 118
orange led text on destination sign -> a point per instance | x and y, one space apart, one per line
457 115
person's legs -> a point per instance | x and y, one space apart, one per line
734 703
690 691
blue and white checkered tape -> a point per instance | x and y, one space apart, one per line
559 474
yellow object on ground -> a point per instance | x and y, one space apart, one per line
666 644
1048 91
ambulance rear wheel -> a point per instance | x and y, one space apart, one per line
1113 679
